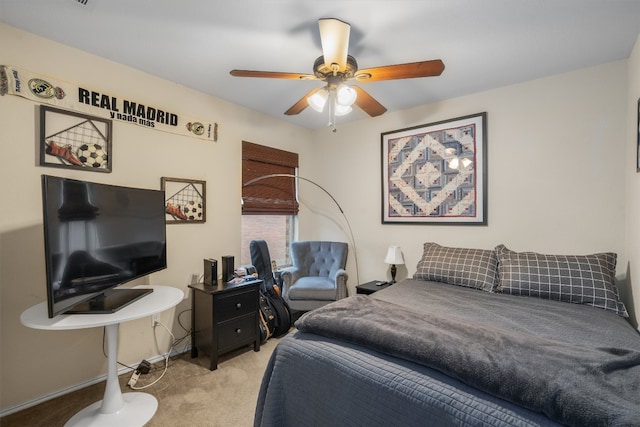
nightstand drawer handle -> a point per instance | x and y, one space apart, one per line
238 331
239 306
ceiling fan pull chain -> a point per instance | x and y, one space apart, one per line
332 109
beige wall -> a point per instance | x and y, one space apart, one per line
633 179
57 360
558 162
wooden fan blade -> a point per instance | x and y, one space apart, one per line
334 36
272 75
401 71
301 104
368 103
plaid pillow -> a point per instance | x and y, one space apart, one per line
473 268
580 279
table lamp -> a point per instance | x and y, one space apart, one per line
394 257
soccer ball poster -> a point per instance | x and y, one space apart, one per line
184 200
74 140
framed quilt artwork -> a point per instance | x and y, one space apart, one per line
436 173
73 140
185 200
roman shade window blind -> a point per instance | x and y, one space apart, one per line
269 196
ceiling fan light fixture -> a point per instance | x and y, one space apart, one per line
346 95
318 100
335 67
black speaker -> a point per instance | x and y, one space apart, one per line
227 268
210 272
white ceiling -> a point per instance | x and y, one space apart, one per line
484 44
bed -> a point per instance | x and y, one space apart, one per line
476 337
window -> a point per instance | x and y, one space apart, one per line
269 203
277 230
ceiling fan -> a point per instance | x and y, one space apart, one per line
338 70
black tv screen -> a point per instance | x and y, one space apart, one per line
96 237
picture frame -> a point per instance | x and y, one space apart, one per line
436 173
185 200
73 140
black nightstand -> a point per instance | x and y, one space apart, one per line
371 287
224 317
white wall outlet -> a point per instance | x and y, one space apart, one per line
155 319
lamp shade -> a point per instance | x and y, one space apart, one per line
341 110
318 100
394 256
346 95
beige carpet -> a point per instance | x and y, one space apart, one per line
188 395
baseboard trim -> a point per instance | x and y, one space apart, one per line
79 386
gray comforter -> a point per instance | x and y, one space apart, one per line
579 365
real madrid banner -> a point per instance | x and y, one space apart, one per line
62 94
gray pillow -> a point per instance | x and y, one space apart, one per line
580 279
473 268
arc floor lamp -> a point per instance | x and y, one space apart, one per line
288 175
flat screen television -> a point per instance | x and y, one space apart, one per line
97 237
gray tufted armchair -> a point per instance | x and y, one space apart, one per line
318 274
